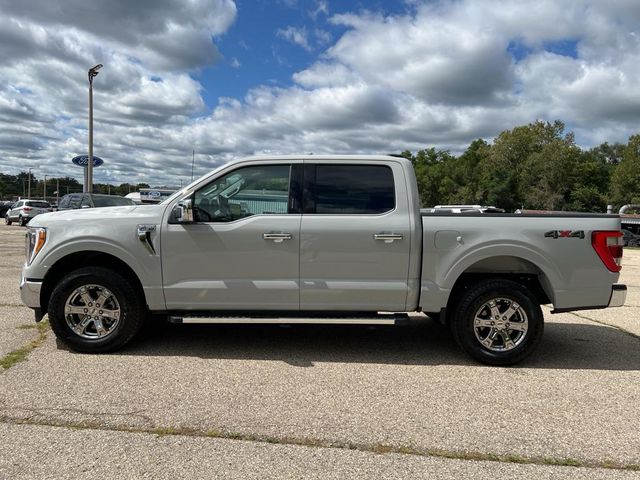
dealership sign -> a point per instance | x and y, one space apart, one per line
83 161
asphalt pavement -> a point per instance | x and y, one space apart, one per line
269 401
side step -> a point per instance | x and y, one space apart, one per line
380 319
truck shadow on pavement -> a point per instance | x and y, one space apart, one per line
423 342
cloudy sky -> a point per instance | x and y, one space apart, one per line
294 76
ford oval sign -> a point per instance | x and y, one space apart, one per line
83 161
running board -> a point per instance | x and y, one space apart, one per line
382 319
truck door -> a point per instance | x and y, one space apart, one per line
243 251
355 237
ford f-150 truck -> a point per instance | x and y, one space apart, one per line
316 239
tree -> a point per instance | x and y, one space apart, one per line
625 181
429 168
530 166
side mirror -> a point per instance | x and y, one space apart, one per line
183 211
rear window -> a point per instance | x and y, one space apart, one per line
39 204
111 201
349 189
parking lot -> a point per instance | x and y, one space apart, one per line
269 401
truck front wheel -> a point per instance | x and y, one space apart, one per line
95 309
498 322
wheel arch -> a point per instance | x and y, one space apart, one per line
87 258
506 267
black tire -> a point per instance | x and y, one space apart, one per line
22 221
7 220
130 317
504 346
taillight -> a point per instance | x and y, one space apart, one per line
608 246
27 209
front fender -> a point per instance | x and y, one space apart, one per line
145 266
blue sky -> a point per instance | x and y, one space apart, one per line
267 58
233 78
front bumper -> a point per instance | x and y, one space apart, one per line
618 295
30 292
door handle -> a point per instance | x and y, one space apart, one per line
277 237
388 237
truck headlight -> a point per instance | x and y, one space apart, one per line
35 240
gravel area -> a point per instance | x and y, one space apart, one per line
576 399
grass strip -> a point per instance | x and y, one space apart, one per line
376 448
21 354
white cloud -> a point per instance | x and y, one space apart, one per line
321 7
440 75
322 36
324 74
296 35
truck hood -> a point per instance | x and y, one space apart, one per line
134 214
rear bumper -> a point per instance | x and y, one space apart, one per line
618 295
616 299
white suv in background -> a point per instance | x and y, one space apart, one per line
24 210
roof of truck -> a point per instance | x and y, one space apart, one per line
308 156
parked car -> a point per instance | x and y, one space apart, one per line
317 239
24 210
92 200
630 239
4 207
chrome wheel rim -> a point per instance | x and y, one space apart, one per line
92 312
500 324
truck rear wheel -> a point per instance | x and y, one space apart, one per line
95 309
498 322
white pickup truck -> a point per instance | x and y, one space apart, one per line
316 239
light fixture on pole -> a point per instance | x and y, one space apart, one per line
88 187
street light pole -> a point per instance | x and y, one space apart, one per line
44 189
29 191
93 72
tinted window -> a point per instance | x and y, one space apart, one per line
75 201
86 202
256 190
38 204
348 189
111 201
64 203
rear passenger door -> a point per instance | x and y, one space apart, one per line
355 237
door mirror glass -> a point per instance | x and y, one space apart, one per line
183 211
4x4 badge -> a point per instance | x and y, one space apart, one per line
564 234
